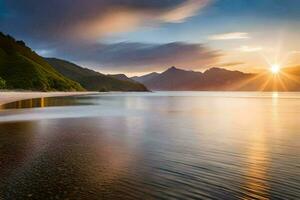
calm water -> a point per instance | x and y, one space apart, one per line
183 145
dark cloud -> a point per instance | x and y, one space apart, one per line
72 29
141 57
78 19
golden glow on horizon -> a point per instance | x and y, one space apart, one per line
275 68
256 59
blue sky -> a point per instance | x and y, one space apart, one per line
222 16
139 36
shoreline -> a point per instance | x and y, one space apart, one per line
12 96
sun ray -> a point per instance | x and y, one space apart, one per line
286 57
278 51
265 58
264 85
250 80
282 84
291 77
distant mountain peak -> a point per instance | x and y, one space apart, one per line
174 69
153 73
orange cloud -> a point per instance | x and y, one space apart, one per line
183 11
116 21
124 19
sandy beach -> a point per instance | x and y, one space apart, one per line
11 96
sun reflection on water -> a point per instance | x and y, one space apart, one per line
256 174
275 95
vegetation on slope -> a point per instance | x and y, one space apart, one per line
22 68
92 80
2 83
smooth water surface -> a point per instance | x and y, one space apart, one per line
164 145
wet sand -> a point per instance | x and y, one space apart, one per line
11 96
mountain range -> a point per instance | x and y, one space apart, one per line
22 68
219 79
95 81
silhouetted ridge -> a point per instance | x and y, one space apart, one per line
220 79
93 80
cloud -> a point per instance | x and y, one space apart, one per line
183 11
230 36
92 19
250 49
74 29
141 57
230 64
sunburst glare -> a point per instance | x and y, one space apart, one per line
275 68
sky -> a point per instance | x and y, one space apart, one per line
141 36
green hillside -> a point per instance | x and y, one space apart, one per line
92 80
2 83
22 68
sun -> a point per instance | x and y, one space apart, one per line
275 68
